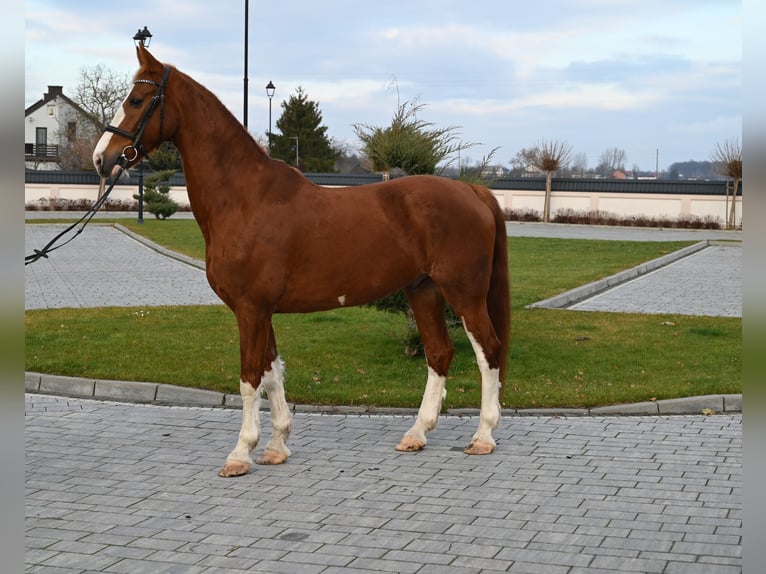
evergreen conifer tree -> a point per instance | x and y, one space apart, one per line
303 140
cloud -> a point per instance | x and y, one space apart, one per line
613 72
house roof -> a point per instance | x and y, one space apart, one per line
53 93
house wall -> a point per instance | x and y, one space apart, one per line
56 123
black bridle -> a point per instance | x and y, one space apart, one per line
158 99
135 148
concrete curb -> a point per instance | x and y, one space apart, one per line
573 296
171 395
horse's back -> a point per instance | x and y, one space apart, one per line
426 200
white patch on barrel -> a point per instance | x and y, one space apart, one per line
342 300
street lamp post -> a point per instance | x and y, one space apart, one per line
244 111
143 37
297 159
270 89
140 191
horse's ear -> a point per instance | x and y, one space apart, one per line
144 57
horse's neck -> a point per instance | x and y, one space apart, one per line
216 151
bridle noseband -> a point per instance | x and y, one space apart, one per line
130 152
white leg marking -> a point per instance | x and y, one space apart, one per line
489 416
430 407
251 425
342 300
281 421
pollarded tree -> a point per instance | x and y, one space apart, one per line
413 145
303 140
727 161
550 156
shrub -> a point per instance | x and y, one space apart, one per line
605 218
157 195
397 303
522 215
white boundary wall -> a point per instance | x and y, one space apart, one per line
621 204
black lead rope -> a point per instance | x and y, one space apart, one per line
85 219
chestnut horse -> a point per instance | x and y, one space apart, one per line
277 243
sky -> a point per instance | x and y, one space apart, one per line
659 79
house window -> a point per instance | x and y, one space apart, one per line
41 141
51 110
71 131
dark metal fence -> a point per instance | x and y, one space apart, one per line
640 186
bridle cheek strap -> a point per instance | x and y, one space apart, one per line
135 138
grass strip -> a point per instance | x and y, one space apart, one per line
355 356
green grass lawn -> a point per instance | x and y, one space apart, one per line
355 356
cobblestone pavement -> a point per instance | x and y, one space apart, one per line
708 282
131 488
124 488
104 267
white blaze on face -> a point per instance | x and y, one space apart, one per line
106 137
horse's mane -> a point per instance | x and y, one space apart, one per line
210 99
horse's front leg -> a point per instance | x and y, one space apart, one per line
260 370
239 462
276 451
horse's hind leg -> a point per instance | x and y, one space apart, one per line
428 306
488 349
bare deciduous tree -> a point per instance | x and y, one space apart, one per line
579 164
523 159
100 93
727 161
610 161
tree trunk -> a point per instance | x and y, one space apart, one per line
547 205
733 207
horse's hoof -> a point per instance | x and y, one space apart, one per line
479 447
234 468
410 444
272 457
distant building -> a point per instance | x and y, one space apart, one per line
50 125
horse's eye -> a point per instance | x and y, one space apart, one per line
135 102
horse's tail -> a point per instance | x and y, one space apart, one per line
499 296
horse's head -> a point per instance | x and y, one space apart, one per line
143 121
